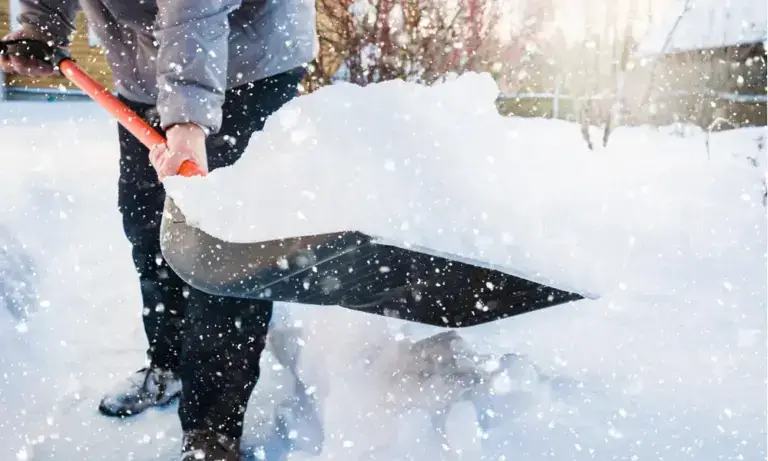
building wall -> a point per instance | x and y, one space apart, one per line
700 86
88 56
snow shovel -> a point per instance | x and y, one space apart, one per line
350 269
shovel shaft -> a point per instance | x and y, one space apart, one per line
124 115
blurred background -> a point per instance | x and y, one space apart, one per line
603 63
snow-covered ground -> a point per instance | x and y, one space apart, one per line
669 363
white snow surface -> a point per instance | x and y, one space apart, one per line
438 167
707 24
669 363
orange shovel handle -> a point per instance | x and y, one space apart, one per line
124 115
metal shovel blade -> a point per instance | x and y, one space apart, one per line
354 271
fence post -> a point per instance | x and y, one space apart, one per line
3 93
556 100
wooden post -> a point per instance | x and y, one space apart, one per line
3 91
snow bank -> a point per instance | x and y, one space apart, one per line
672 367
438 167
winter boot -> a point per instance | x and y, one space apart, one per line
208 445
149 386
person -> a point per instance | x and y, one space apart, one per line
206 75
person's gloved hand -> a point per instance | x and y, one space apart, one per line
185 141
25 65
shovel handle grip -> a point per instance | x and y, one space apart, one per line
124 115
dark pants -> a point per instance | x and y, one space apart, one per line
213 342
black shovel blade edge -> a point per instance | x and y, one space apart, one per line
355 271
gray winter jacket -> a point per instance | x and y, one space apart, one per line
184 54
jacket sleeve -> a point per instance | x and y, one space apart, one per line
193 41
55 18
